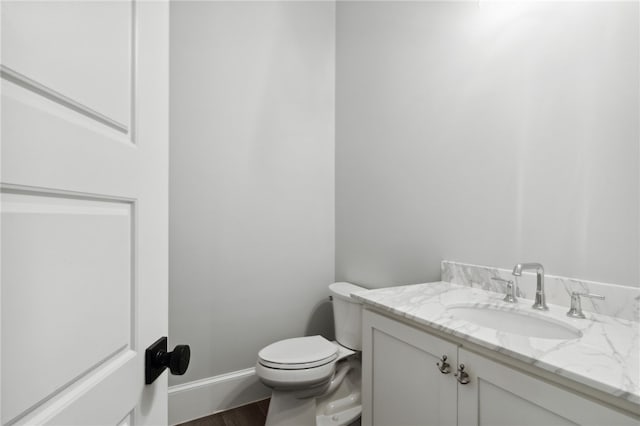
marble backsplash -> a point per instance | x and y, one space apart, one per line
620 301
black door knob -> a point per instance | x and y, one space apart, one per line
157 358
177 360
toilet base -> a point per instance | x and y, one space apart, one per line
285 409
339 407
343 406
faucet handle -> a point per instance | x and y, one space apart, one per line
589 295
575 311
510 295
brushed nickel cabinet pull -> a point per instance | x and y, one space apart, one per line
443 365
462 376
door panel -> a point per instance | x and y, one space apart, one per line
418 399
42 235
79 50
84 210
508 409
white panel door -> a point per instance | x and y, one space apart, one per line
401 382
84 174
501 396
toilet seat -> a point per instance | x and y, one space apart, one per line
297 363
298 353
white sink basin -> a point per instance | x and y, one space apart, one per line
514 322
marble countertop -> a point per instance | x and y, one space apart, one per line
605 357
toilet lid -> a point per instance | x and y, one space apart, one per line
298 353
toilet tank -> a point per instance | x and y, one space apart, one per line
347 315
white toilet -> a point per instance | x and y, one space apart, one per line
316 381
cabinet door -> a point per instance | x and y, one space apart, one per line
499 395
402 384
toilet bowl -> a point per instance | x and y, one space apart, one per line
316 381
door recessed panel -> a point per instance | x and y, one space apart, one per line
417 400
77 52
67 290
499 407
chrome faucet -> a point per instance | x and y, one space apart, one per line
540 302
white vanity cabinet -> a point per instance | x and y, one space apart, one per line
402 385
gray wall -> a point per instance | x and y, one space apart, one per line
252 177
488 133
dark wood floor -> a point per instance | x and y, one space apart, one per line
248 415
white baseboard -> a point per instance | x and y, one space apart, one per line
204 397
